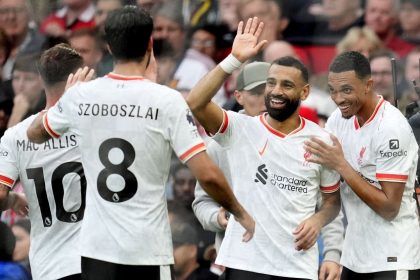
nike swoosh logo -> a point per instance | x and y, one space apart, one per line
261 152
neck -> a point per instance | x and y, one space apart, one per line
53 94
286 126
131 68
368 109
386 37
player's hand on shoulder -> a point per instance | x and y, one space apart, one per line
331 156
82 75
245 44
306 234
329 271
222 217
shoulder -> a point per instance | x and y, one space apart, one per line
393 119
20 128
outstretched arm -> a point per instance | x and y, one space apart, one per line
245 46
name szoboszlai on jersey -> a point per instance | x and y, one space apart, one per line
128 127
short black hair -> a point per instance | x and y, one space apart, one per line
351 61
290 61
127 32
57 63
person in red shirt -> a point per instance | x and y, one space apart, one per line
74 15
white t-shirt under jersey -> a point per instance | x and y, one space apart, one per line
383 149
128 127
279 187
52 175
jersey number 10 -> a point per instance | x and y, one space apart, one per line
37 174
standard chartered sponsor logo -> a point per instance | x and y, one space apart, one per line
289 183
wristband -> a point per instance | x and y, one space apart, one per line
230 64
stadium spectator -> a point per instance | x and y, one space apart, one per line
22 231
75 14
103 8
186 267
27 87
15 20
88 43
409 16
359 39
382 17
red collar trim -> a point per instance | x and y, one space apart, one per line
278 133
124 78
356 122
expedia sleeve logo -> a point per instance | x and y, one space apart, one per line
395 151
394 144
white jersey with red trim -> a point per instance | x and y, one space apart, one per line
273 180
383 149
52 177
127 128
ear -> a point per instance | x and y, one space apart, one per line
369 85
283 23
305 92
108 49
150 45
239 97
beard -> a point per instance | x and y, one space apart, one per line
290 106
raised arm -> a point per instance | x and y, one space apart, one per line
245 46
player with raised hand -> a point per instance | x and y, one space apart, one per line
128 126
269 171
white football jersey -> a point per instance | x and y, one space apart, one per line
127 128
383 149
273 180
52 177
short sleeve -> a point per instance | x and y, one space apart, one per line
226 136
396 151
330 180
58 118
184 137
9 170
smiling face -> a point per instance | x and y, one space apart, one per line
348 92
285 88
